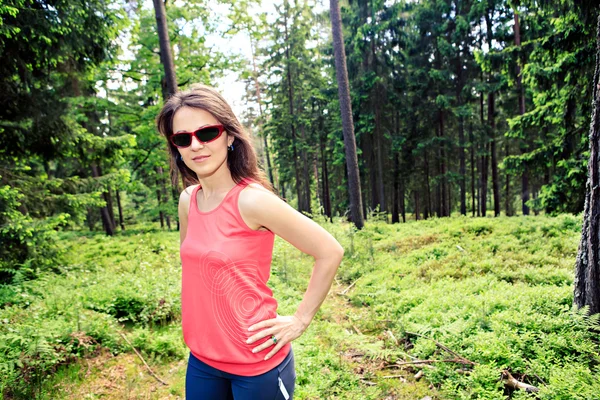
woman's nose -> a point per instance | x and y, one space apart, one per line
196 144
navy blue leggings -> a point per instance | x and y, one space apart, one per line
203 382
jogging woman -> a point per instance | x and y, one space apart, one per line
240 348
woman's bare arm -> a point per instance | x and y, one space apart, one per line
260 207
182 209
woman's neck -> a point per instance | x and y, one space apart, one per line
220 181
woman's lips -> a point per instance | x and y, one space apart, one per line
199 159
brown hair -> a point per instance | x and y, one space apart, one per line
242 161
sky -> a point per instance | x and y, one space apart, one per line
230 86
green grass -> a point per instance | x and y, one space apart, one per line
496 291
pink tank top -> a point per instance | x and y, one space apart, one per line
225 269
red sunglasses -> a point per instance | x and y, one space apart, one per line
205 134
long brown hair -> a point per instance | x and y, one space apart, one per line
242 161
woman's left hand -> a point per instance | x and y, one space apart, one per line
284 328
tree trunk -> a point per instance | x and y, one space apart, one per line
291 110
521 92
587 265
346 111
379 155
472 145
260 110
444 204
495 179
282 189
108 199
170 80
315 165
484 182
306 170
121 223
462 171
402 203
417 211
107 222
492 123
371 162
325 176
395 196
166 55
428 208
163 190
461 138
507 199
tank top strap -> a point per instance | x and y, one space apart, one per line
193 205
232 196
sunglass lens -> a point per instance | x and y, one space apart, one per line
182 140
207 134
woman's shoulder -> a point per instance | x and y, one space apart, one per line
253 201
186 195
253 185
187 192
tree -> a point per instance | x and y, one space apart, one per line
346 111
166 56
587 266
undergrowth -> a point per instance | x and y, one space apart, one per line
498 292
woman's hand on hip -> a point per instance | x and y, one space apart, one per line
283 328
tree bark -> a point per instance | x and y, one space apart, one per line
472 145
587 265
521 92
417 211
306 170
315 165
107 222
291 110
119 206
163 189
346 111
260 110
428 208
461 136
395 196
325 176
507 197
462 170
166 55
484 182
108 198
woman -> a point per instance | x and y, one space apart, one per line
240 347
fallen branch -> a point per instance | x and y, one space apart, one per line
391 335
511 382
144 361
343 292
417 362
441 346
369 383
400 377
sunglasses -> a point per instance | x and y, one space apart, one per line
206 134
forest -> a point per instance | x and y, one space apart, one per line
471 126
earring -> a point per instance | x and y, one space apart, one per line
179 157
230 148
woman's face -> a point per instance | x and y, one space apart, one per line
203 159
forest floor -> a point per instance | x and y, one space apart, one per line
425 309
